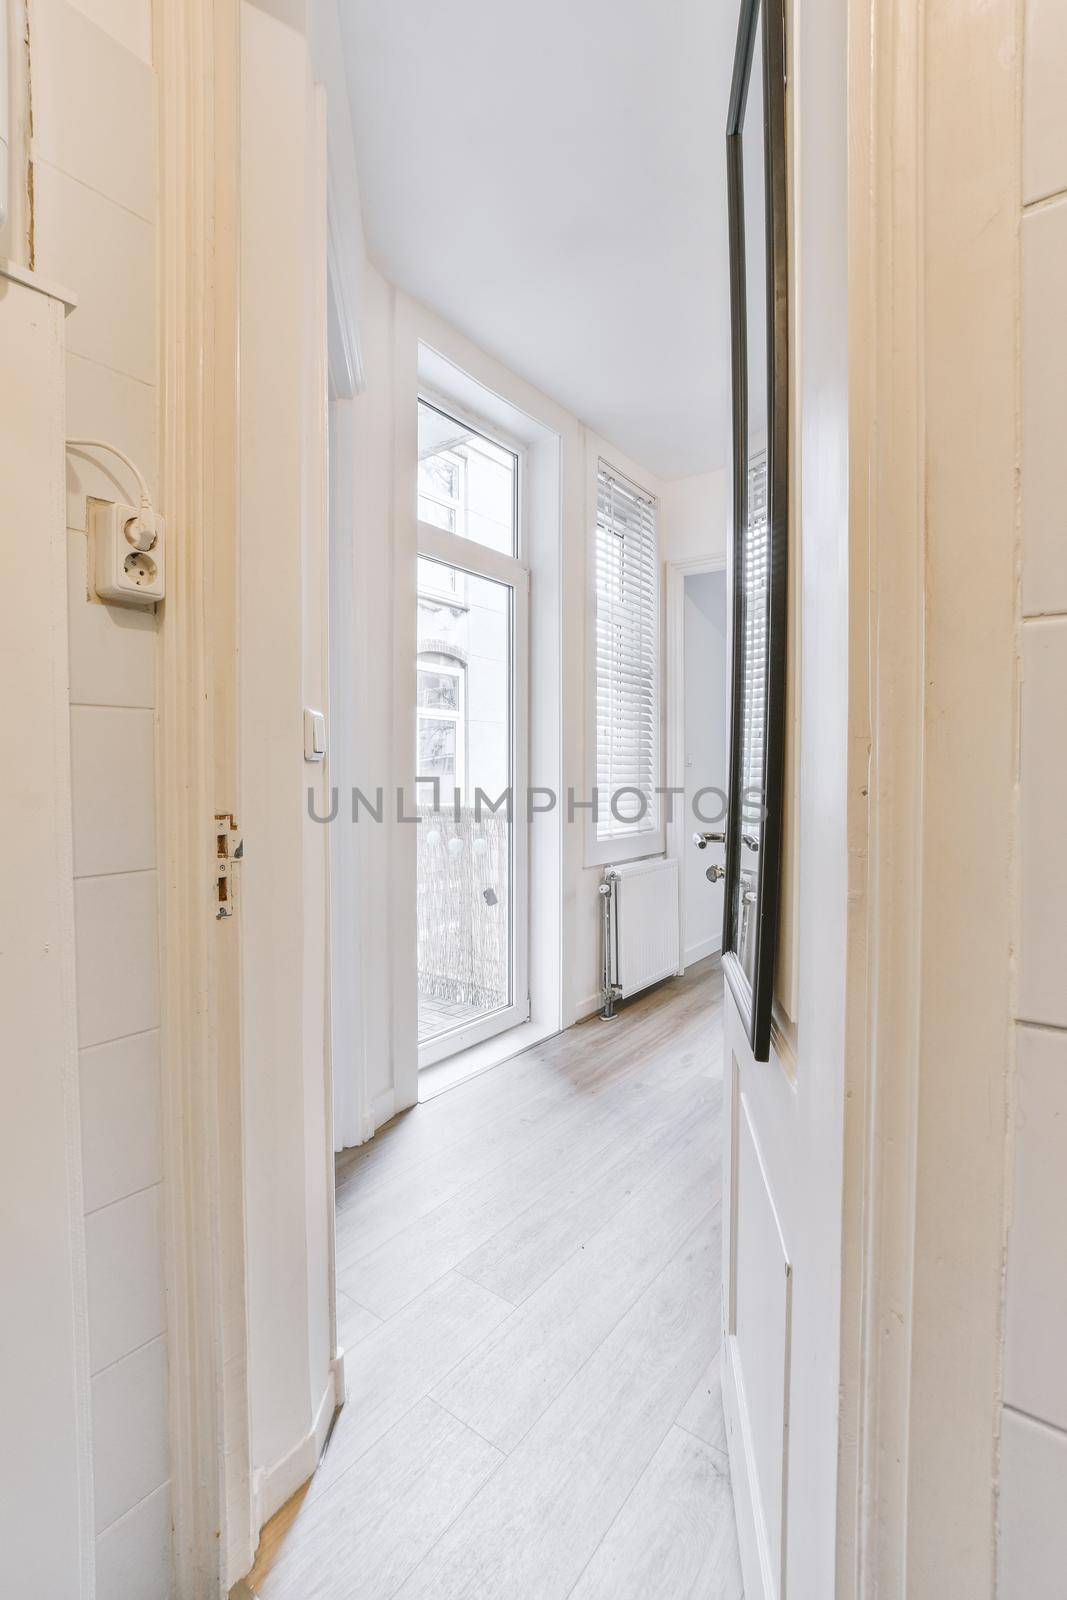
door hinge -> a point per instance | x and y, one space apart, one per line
229 849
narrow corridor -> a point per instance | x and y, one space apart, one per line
529 1290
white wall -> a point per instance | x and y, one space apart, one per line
46 1478
707 732
695 515
1033 1459
94 111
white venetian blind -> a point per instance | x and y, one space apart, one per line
755 579
627 648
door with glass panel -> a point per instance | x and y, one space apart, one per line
470 735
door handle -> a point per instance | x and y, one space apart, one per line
702 840
714 873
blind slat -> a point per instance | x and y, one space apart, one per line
626 655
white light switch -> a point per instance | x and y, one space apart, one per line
314 735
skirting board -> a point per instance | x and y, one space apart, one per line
588 1008
702 949
276 1484
751 1539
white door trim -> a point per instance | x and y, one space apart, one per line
196 52
929 964
681 826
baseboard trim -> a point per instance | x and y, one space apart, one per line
340 1388
277 1484
702 949
588 1007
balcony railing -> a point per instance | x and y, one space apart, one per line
464 875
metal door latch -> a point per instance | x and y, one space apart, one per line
229 849
714 873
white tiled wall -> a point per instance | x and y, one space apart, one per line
1033 1455
94 98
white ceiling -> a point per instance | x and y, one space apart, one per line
550 177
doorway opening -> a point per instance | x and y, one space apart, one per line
698 747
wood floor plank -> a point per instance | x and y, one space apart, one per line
702 1413
506 1384
557 1067
402 1360
354 1321
534 1526
368 1532
675 1536
524 1254
567 1062
577 1159
390 1207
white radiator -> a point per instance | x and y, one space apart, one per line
640 927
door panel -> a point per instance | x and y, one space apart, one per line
759 1313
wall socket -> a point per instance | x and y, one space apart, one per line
121 572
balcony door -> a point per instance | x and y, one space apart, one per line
471 735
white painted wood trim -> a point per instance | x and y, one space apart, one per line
33 280
196 57
346 353
326 253
681 825
701 950
751 1535
278 1483
588 1007
437 544
450 1044
926 1075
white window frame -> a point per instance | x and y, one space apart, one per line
600 851
478 560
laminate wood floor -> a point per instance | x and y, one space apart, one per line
528 1273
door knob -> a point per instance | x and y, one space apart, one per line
702 840
714 873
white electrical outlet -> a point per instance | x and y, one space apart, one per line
121 571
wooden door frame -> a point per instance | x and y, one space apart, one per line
198 53
928 1039
197 60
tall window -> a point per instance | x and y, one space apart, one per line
470 731
627 648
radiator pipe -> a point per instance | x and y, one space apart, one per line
610 989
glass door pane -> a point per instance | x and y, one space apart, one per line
464 741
